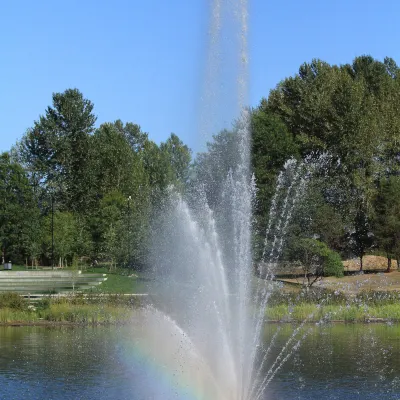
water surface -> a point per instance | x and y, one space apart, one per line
333 362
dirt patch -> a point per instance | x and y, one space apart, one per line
370 263
354 284
357 283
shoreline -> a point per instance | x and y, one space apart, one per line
285 309
338 321
46 323
60 323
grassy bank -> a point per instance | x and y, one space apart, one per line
345 313
100 308
327 305
84 314
113 309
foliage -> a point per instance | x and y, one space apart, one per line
109 182
105 183
361 239
13 301
333 265
55 150
316 259
211 168
18 215
348 112
315 295
65 228
386 222
272 146
346 313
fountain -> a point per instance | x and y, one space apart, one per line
208 318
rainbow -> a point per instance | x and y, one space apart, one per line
165 361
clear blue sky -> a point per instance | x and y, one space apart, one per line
143 61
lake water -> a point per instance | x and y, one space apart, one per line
334 362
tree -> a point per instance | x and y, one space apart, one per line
272 146
316 260
318 214
211 168
32 239
18 210
386 222
361 238
65 229
115 166
348 111
90 174
120 174
111 224
133 135
56 150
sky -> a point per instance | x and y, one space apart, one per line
145 62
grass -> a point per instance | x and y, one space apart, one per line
13 301
76 309
318 304
9 315
346 313
86 313
117 309
120 282
20 268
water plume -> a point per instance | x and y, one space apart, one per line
206 318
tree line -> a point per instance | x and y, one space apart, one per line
94 187
92 192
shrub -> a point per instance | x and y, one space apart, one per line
333 264
13 301
315 295
315 258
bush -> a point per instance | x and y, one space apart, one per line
333 264
315 258
314 295
13 301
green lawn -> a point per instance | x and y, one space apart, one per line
120 281
17 268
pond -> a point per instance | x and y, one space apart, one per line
333 362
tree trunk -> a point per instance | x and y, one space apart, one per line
389 263
398 264
361 263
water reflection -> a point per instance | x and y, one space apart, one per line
340 362
334 362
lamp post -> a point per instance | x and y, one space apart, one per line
129 231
